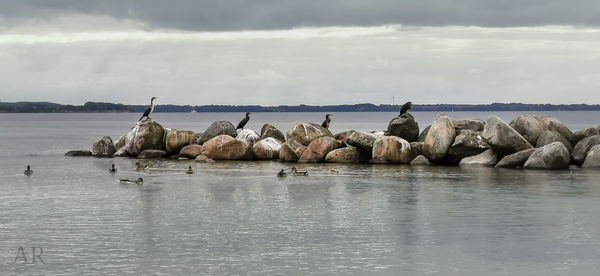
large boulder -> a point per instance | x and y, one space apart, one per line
423 134
392 149
362 140
318 149
151 153
503 138
121 142
420 160
195 138
553 156
548 137
553 124
203 159
177 139
248 136
191 151
342 136
343 155
290 151
78 153
473 124
304 133
467 143
487 158
217 128
592 159
584 133
405 127
515 160
583 147
104 147
225 147
268 130
267 148
416 147
529 126
439 138
147 134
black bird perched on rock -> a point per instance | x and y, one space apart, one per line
112 169
244 121
325 123
28 171
405 107
148 110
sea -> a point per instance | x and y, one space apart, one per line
73 217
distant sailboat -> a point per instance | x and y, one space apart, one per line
193 111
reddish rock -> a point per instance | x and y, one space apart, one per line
191 151
267 148
225 147
343 155
304 133
318 149
392 149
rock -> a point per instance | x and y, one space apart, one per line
392 149
267 148
342 136
503 138
529 126
362 140
270 131
151 153
218 128
318 149
416 148
147 134
473 124
584 133
552 156
177 139
121 153
423 134
515 160
343 155
191 151
553 124
203 159
78 153
487 158
119 144
592 159
467 143
225 147
405 127
548 137
304 133
583 147
378 133
420 160
104 147
195 139
248 136
290 151
439 138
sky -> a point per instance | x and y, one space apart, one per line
316 52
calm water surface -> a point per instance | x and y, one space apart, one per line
238 218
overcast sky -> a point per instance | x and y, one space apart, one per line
273 52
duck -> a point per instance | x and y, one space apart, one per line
112 169
296 172
28 171
138 181
190 170
140 167
282 173
333 171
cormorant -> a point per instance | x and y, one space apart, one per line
296 172
281 173
325 123
333 171
244 121
139 181
405 107
148 110
112 169
28 171
190 170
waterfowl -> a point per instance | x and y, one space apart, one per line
281 173
333 171
148 110
28 171
140 167
138 181
405 108
296 172
325 123
112 169
244 121
190 170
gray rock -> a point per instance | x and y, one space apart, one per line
79 153
216 129
553 124
554 156
416 148
290 151
177 139
583 147
515 160
467 143
423 134
584 133
473 124
362 140
203 159
147 134
268 130
342 136
267 148
151 153
592 159
548 137
487 158
248 136
304 133
529 126
405 127
439 138
420 160
503 138
104 147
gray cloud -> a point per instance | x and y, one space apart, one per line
284 14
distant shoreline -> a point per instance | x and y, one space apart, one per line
99 107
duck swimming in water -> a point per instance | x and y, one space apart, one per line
296 172
28 171
140 167
190 170
282 173
333 171
138 181
112 169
